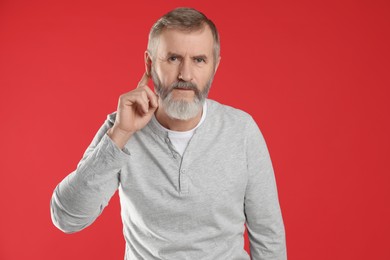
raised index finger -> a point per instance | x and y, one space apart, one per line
144 80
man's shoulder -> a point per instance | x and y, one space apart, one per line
226 112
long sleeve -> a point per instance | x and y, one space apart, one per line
81 197
263 215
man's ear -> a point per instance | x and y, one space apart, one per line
217 64
148 63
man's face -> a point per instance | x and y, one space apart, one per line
182 70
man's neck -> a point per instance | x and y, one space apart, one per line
176 124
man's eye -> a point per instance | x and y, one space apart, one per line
173 58
199 60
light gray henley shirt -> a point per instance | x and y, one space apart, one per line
181 207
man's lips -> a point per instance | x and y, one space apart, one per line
184 89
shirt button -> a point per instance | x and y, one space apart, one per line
183 171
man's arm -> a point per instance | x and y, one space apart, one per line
80 198
263 215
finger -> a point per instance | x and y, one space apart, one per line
139 100
143 101
144 80
151 96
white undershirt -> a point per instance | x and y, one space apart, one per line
180 139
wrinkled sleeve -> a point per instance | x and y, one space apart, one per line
263 215
81 197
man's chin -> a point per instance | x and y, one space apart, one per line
182 109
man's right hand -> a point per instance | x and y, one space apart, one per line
135 109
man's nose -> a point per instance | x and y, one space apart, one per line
185 71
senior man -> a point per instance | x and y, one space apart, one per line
189 170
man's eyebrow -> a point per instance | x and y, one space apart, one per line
170 54
202 56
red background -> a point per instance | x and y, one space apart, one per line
314 75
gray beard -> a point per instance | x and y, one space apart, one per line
181 109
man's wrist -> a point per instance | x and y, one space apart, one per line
118 136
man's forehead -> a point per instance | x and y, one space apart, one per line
199 41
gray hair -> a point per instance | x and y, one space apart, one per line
186 19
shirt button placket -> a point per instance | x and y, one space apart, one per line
183 181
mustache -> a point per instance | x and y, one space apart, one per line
185 85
